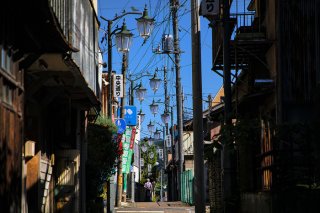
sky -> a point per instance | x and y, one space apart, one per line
143 61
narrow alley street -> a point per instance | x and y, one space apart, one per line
107 106
155 207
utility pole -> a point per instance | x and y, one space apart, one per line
175 5
110 69
197 109
120 176
229 175
166 132
166 100
173 185
109 101
166 110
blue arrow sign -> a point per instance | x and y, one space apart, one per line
130 115
121 124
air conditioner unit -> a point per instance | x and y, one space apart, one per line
29 149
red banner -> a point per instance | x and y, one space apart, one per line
120 149
133 135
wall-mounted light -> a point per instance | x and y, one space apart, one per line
29 149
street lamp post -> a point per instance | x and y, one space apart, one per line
155 82
157 134
145 26
154 106
150 127
123 39
142 115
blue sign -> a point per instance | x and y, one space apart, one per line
121 124
130 115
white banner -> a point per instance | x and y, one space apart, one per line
161 153
168 140
118 85
137 139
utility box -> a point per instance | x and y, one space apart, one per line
167 43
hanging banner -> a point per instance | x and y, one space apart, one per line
137 138
160 154
127 170
168 141
132 138
133 135
128 149
118 85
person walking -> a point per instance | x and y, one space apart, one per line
148 187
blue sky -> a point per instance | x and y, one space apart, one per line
143 60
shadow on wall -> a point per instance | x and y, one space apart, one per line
10 178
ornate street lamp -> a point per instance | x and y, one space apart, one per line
145 24
150 127
144 148
157 134
154 107
155 82
165 117
141 92
142 116
150 141
123 39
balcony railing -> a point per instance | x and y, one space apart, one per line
61 9
244 27
74 18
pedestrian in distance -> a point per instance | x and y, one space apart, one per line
148 187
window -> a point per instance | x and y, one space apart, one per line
267 156
5 60
7 93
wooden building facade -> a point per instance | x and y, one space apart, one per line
49 82
275 58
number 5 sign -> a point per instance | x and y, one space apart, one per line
210 7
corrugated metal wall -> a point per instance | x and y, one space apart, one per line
84 37
80 27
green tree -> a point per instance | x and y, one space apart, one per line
146 156
102 155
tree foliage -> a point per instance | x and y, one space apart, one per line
147 160
102 155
